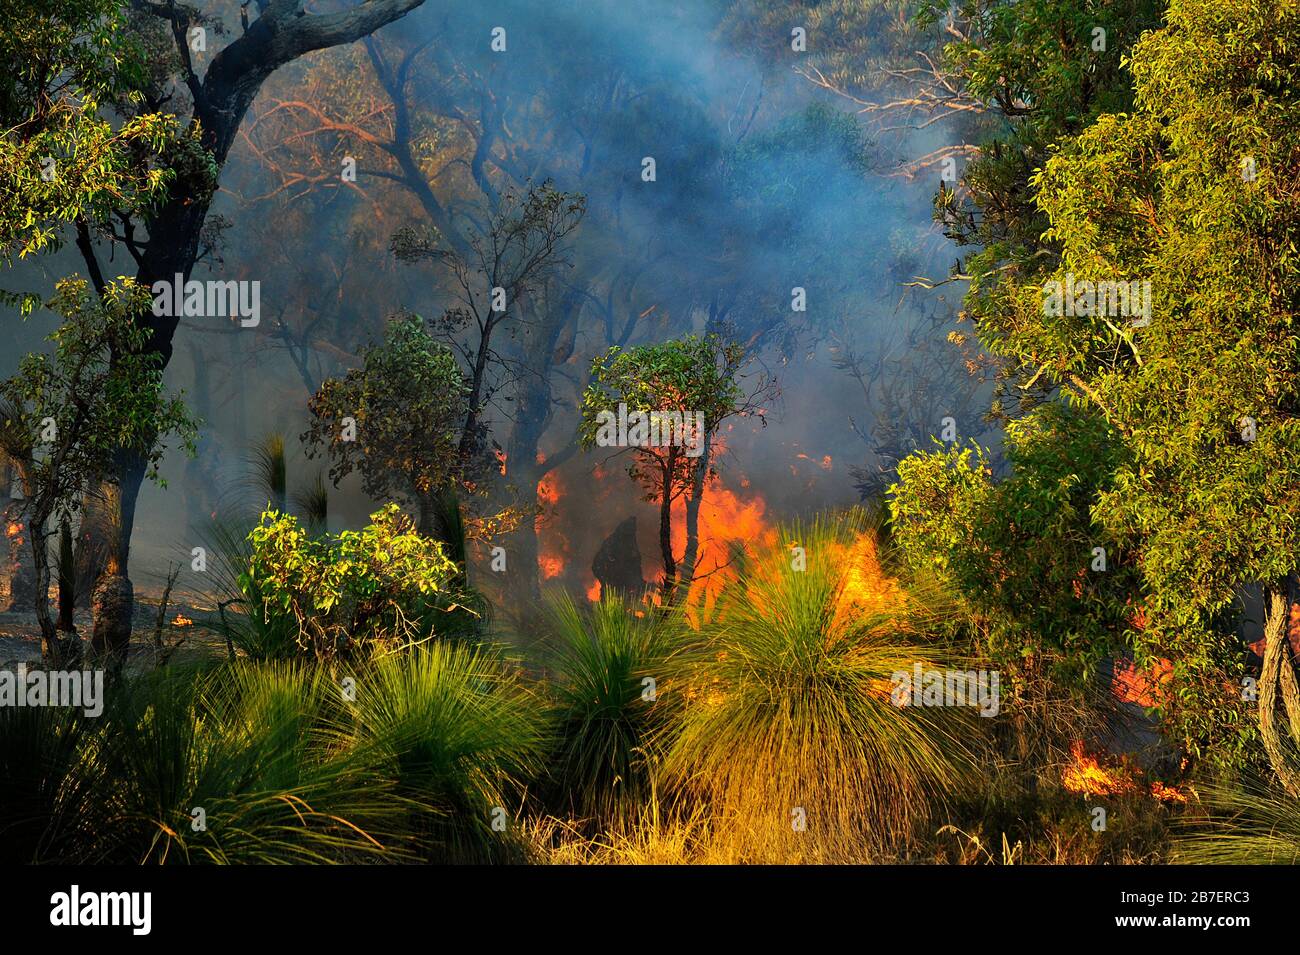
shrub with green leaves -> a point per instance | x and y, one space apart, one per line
383 585
1023 555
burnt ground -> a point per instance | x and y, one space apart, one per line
20 634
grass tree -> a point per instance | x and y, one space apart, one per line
68 416
611 701
791 729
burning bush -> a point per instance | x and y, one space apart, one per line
789 728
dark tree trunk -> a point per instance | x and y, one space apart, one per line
113 605
281 33
666 526
693 501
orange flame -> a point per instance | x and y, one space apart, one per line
1088 776
1146 689
1167 794
14 529
726 518
182 621
552 545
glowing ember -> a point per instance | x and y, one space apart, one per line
182 621
593 592
1088 776
14 529
502 457
548 490
1167 794
550 565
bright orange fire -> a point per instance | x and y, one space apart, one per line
548 490
1088 776
1145 688
551 565
1168 794
867 589
726 518
182 621
14 529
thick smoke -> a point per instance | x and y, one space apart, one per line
761 186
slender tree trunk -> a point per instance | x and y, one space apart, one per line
666 527
58 651
693 502
1279 672
67 579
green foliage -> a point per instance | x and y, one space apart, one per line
259 749
691 375
1203 500
606 719
1032 72
1019 552
101 393
407 401
456 729
382 585
65 62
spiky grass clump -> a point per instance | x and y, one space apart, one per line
270 475
51 786
457 730
253 751
789 729
239 764
1244 827
610 672
313 503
